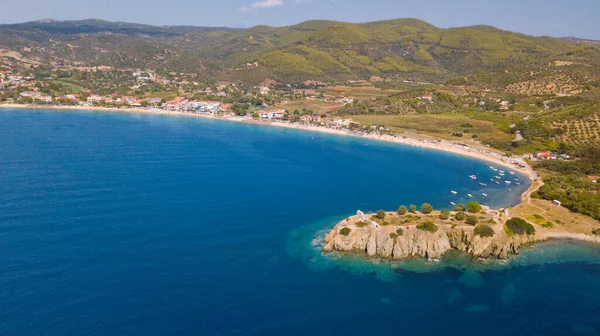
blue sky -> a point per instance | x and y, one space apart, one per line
536 17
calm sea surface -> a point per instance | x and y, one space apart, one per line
126 224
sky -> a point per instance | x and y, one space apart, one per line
559 18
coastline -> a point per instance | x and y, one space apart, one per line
443 145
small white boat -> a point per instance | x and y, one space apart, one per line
473 177
507 182
470 196
497 177
497 182
502 172
453 192
511 173
517 183
484 194
482 184
452 203
508 189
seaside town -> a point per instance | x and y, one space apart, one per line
234 101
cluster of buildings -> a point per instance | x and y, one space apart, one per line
547 156
184 104
37 96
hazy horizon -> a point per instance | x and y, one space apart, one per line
532 17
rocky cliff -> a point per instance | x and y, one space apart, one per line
386 242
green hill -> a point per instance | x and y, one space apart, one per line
319 49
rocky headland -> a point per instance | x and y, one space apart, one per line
405 234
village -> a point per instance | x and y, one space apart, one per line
255 104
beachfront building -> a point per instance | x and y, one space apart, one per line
204 107
176 104
272 114
95 99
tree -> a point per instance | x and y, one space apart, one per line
472 220
399 232
426 208
428 226
402 210
345 231
460 216
445 214
459 207
413 208
474 207
520 226
484 231
380 214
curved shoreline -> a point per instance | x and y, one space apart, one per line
442 145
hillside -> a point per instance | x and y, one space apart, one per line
324 50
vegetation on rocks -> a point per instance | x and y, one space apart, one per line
520 226
484 231
461 215
345 231
444 214
426 208
474 207
428 226
402 210
472 220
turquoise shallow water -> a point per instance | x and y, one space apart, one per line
125 224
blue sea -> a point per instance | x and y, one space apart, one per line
130 224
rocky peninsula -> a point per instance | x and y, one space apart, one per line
472 229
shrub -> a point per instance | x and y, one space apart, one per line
413 208
460 216
472 220
361 224
548 225
426 208
385 223
520 226
445 214
474 207
484 231
402 210
596 232
399 231
428 226
345 231
393 235
380 214
459 207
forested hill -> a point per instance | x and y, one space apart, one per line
323 50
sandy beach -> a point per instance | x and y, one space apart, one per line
485 154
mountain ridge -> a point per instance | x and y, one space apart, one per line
315 49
